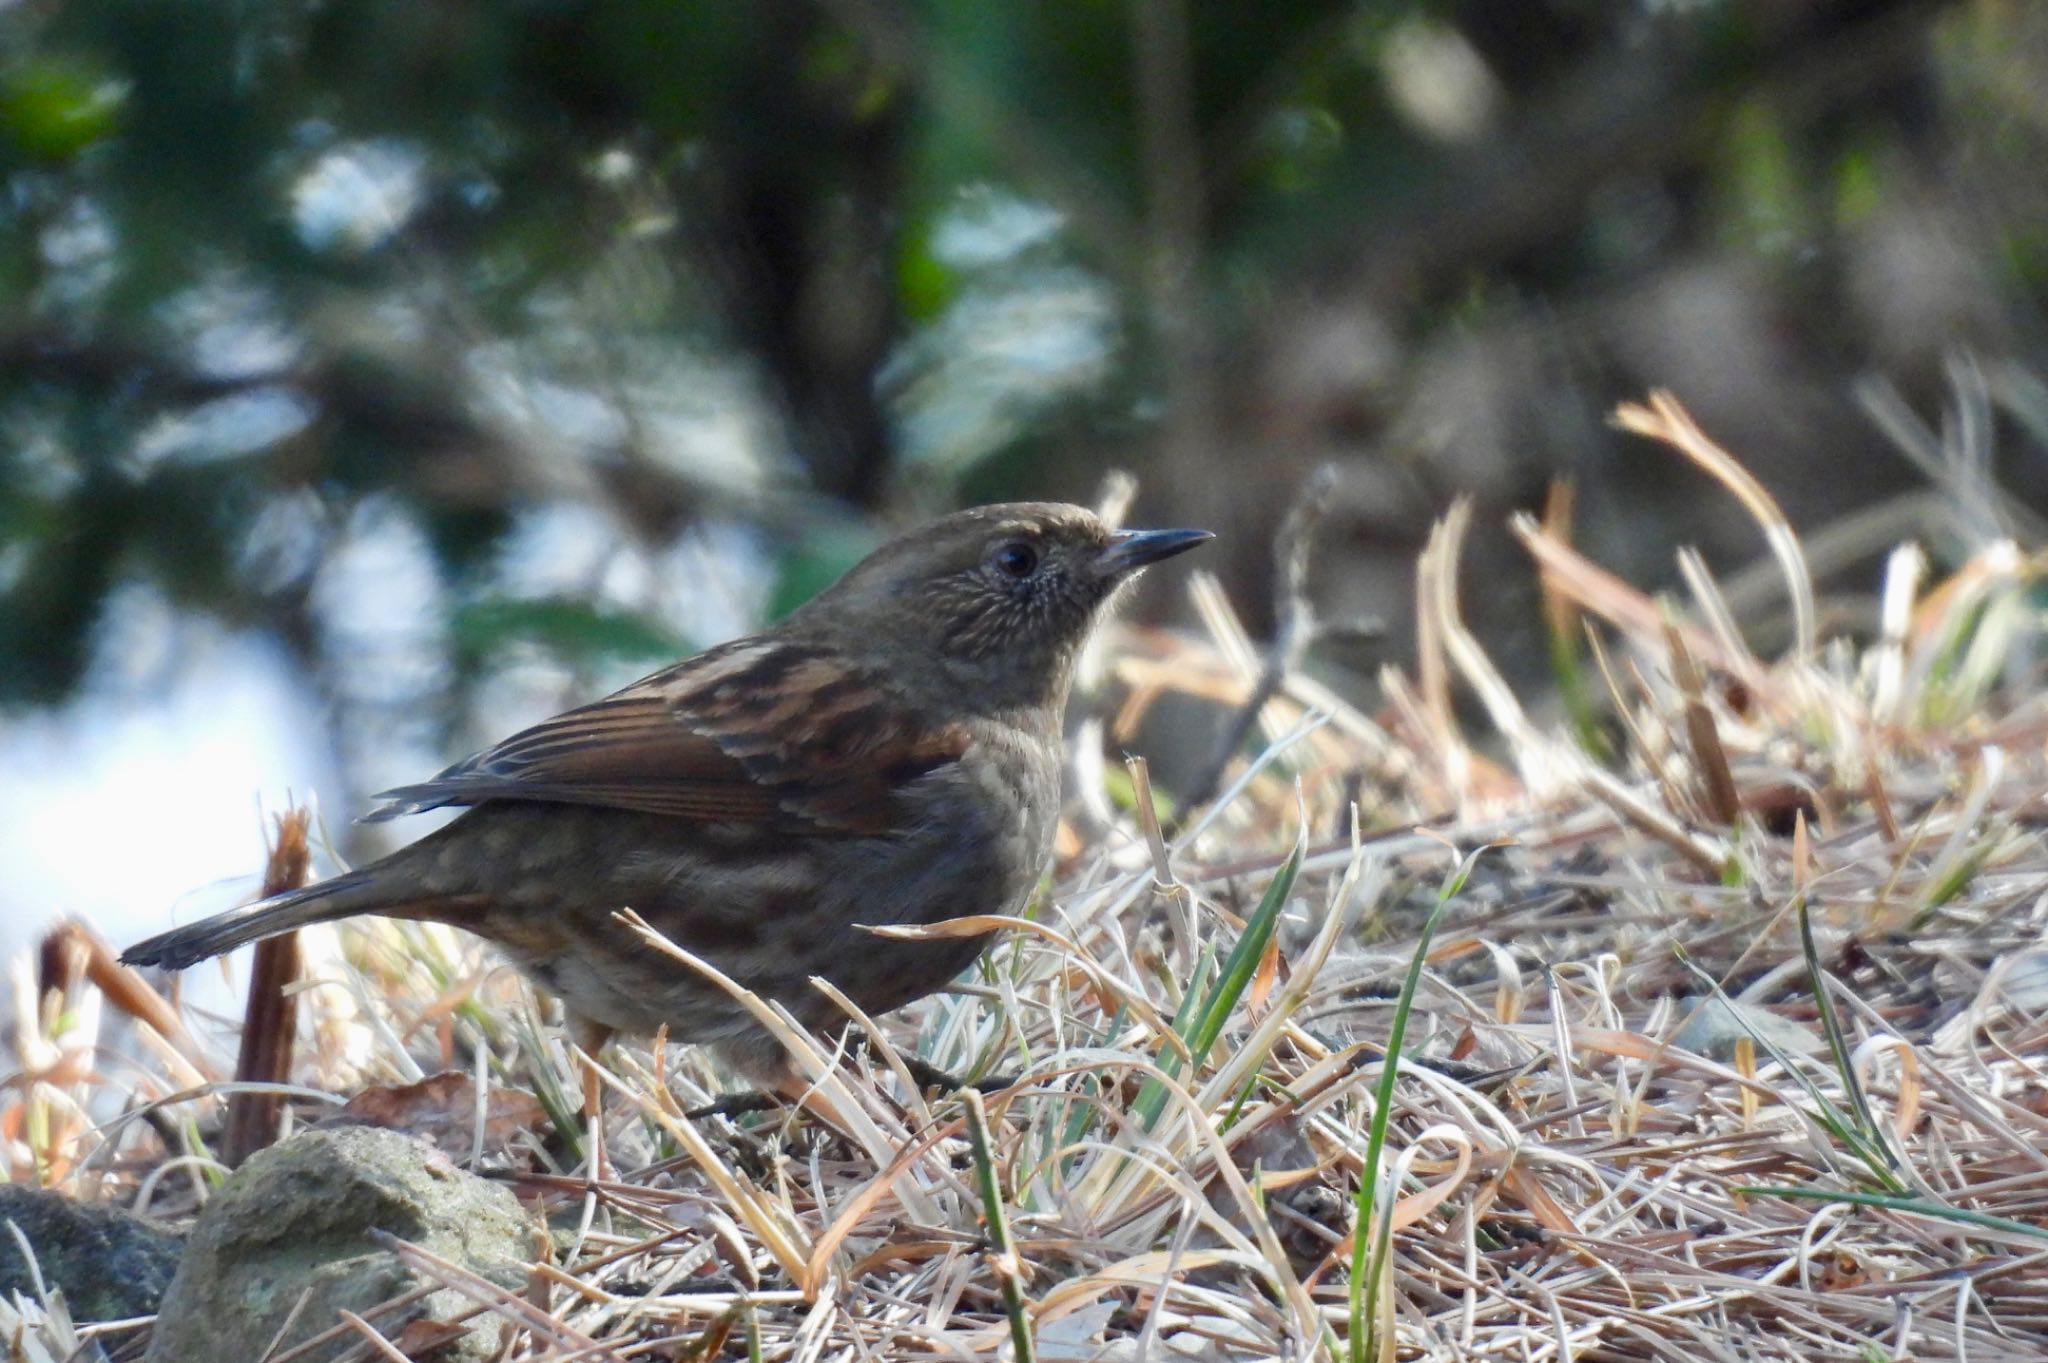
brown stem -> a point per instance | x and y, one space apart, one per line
271 1020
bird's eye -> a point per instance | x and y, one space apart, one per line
1016 559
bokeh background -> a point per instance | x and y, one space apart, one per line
379 375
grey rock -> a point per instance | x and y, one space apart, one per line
296 1220
1719 1022
110 1264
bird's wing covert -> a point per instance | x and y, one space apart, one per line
754 732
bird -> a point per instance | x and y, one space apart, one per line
887 754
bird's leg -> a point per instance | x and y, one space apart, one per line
590 1038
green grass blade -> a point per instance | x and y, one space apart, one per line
1001 1249
1200 1024
1838 1047
1243 961
1372 1237
1911 1206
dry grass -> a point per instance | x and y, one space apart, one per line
1844 1156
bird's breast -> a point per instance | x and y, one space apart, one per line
1015 780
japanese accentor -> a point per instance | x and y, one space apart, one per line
888 754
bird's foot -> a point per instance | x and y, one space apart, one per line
737 1105
930 1076
922 1072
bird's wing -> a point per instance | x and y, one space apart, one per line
758 731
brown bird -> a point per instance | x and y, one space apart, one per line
888 754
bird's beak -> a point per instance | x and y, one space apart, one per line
1130 550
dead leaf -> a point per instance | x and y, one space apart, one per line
442 1108
424 1338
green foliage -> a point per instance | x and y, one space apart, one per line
54 108
571 629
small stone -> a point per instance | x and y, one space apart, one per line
1719 1022
294 1222
110 1264
2023 979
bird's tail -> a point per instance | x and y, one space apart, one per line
330 899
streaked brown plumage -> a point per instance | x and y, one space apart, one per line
889 754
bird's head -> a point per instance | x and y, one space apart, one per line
989 605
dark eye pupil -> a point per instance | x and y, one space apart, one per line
1016 559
